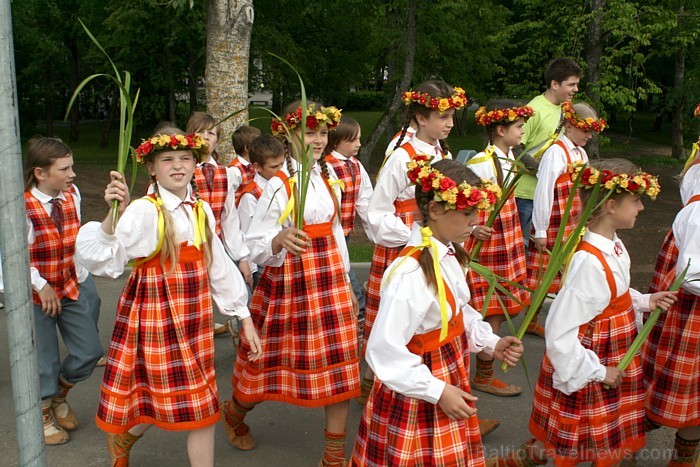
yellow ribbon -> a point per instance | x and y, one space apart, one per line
488 155
691 158
200 233
161 230
290 204
340 183
546 145
426 242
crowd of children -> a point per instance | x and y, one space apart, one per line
265 242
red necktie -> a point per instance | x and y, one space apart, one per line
208 171
57 214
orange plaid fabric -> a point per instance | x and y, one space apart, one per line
216 196
504 254
535 257
595 424
160 365
52 252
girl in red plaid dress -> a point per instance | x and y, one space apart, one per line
585 409
160 366
392 208
343 147
420 410
502 246
670 354
552 193
303 304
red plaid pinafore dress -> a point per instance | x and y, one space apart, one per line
670 354
595 424
160 364
52 252
407 211
349 172
216 196
504 255
398 430
304 315
537 259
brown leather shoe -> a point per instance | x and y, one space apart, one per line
53 433
496 387
244 442
63 414
487 425
119 447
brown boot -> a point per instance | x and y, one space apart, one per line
523 457
488 425
119 447
53 434
365 390
238 433
334 450
684 452
62 412
534 327
485 381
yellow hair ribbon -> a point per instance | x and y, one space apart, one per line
426 242
691 158
546 145
200 233
340 183
290 204
161 230
488 155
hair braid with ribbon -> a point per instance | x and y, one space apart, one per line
207 231
170 248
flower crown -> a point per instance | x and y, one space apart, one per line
697 111
640 183
485 118
585 124
177 142
462 196
328 116
458 100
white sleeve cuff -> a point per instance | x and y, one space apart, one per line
540 234
435 389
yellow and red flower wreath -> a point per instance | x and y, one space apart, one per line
457 101
640 183
585 124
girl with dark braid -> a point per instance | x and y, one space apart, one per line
160 366
421 410
392 208
303 305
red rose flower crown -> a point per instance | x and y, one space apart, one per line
177 142
506 115
640 183
325 116
463 196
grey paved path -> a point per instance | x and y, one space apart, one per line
286 435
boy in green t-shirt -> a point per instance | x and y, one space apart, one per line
562 77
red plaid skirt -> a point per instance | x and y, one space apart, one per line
504 254
303 313
665 269
160 365
407 211
594 424
672 366
537 261
404 431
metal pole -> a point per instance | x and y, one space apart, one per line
15 261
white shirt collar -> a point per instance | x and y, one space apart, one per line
425 148
567 142
210 160
43 197
605 245
339 156
171 201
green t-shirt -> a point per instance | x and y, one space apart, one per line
537 130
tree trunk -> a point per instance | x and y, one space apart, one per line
229 25
74 82
396 102
677 150
594 52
